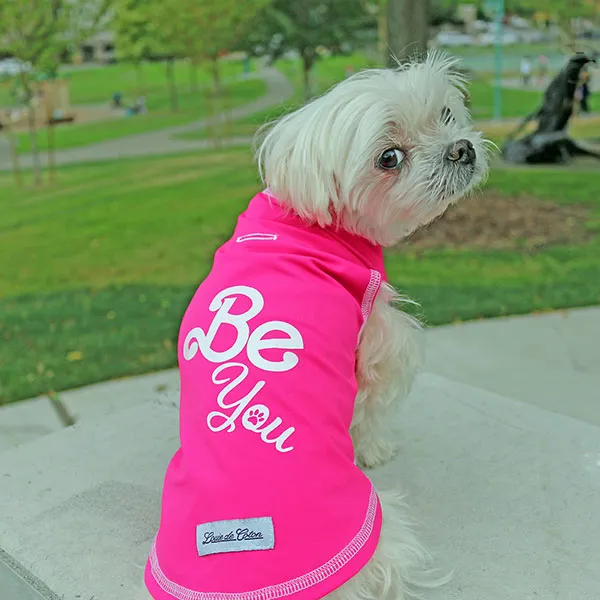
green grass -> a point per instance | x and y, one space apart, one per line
192 106
96 272
97 84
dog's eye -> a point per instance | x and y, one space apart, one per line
391 159
447 116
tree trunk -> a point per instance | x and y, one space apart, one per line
194 85
382 34
408 30
139 80
174 97
308 61
216 74
35 151
14 153
217 110
51 152
51 138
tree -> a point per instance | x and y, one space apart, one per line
563 12
37 32
31 31
439 12
140 35
306 25
135 35
203 31
407 29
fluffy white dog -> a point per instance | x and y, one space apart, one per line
381 154
292 352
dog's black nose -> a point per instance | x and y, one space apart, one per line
461 152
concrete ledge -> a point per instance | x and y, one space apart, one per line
551 360
507 494
79 508
16 582
23 422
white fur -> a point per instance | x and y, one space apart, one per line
322 162
400 567
390 354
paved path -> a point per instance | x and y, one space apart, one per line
163 142
166 142
500 461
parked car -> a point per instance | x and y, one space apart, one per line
453 38
13 66
489 39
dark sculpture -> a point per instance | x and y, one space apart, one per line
549 143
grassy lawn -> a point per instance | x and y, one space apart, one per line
97 271
97 84
192 106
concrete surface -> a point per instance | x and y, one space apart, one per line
550 360
506 489
26 421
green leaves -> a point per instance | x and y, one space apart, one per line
137 37
306 25
204 30
38 31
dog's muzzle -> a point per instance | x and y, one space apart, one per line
461 153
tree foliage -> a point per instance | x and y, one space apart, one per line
556 9
37 32
561 10
203 31
136 35
33 31
306 25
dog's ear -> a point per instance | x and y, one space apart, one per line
293 159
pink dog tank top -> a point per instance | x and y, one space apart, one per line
263 499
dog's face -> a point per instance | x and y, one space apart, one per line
382 153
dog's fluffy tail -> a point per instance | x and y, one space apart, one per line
400 568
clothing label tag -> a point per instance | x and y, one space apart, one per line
238 535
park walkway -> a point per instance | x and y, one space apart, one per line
164 141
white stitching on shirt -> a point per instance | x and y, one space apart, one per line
369 298
283 589
370 293
257 237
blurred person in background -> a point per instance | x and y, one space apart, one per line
584 84
542 68
526 68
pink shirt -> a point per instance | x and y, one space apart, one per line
263 500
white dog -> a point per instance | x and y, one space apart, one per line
378 156
385 152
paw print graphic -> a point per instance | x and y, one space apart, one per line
254 417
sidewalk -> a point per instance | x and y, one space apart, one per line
500 460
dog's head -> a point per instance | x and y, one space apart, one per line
381 154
